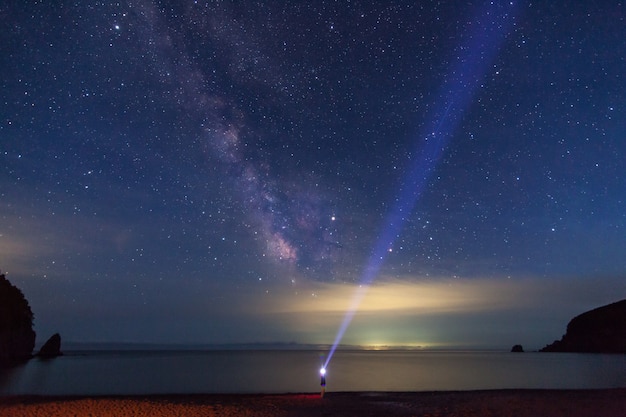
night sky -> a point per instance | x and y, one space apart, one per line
229 172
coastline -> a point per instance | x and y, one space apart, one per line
508 402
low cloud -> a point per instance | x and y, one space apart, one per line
428 312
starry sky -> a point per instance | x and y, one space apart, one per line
229 172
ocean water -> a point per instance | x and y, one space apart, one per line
284 371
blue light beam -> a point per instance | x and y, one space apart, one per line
487 31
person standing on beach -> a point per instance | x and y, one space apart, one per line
323 381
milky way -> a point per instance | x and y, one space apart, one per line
295 223
193 171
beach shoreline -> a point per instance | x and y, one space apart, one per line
507 402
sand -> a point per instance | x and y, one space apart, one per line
501 403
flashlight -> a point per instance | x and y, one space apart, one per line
322 371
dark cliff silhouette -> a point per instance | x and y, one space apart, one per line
17 337
52 348
602 330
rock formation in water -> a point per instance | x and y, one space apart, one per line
17 337
52 348
602 330
517 348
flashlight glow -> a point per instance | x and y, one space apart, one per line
479 49
322 371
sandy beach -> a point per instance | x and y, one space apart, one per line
513 403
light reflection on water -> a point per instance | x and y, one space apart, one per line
282 371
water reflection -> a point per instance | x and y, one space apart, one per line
297 371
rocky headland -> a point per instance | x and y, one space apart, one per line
17 337
601 330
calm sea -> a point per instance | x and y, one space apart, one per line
283 371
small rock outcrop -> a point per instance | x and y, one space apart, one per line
52 347
517 348
17 337
602 330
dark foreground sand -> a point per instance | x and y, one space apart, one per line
501 403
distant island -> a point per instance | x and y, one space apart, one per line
601 330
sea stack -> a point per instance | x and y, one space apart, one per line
52 347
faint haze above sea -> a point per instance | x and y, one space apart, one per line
276 346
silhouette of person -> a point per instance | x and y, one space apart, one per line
323 381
